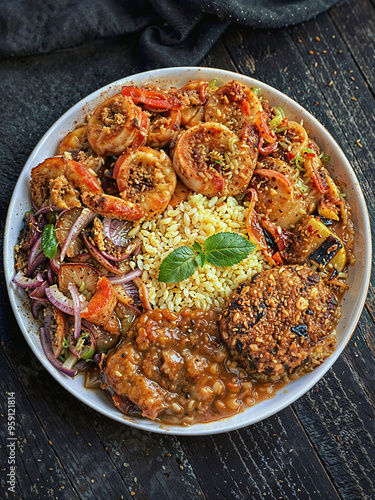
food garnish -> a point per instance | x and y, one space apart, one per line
221 249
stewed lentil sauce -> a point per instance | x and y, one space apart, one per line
175 369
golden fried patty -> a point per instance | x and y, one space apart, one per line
272 322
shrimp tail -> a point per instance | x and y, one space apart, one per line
112 207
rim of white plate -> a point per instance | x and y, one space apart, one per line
359 277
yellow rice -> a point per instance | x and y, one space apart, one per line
194 220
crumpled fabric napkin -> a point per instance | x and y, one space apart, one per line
168 32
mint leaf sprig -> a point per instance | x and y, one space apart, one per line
221 249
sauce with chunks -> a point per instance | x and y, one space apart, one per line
174 368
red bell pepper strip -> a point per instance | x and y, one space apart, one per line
268 149
153 98
261 122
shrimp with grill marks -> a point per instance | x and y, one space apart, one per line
146 179
211 160
114 125
60 182
66 183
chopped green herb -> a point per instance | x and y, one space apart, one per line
82 287
49 241
212 84
308 150
256 90
281 129
325 158
279 117
65 343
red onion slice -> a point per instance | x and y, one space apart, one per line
37 262
125 278
83 220
56 262
24 282
82 258
132 246
59 300
97 255
45 210
35 307
46 343
77 309
117 231
40 291
50 279
36 257
33 232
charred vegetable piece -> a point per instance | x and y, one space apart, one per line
327 250
63 226
55 325
84 276
312 240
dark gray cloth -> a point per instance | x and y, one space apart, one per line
168 32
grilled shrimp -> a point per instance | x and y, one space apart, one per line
291 142
233 105
112 207
211 160
193 97
146 179
114 125
75 146
59 181
283 195
65 183
164 127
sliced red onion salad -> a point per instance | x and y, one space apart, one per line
37 262
50 274
77 309
128 251
46 342
83 220
56 262
36 256
125 278
24 282
99 256
35 307
59 300
40 291
49 209
117 231
33 235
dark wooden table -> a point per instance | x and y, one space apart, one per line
321 447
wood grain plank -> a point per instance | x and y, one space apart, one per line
271 459
341 424
39 473
355 22
152 465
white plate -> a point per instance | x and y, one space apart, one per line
358 280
